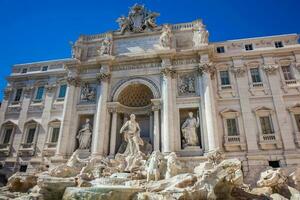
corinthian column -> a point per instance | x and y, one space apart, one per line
68 115
156 130
101 128
211 138
168 134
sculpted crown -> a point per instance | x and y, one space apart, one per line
139 19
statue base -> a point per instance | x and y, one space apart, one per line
191 151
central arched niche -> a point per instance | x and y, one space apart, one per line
136 95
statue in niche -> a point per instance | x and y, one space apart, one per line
105 48
88 93
201 35
166 37
84 135
131 130
186 85
189 130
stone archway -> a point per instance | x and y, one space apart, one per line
133 96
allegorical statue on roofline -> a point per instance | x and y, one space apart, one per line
138 20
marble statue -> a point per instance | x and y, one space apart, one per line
189 130
88 93
153 167
201 36
106 47
84 135
172 165
139 19
131 130
166 37
124 24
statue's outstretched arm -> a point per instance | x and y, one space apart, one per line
123 127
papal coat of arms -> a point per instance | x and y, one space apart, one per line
139 19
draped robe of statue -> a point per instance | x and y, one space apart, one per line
131 130
84 135
189 130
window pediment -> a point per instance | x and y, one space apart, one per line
228 112
261 110
251 64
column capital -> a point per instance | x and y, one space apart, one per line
206 67
270 69
74 80
156 104
7 92
103 76
168 71
113 107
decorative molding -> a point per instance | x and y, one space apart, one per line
136 66
270 69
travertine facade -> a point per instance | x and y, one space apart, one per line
245 93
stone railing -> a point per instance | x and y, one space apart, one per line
234 143
256 85
292 82
87 38
270 141
183 26
233 139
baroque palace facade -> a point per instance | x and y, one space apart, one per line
240 96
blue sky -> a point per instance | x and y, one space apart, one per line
36 30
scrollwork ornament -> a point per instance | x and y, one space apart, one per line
50 87
270 69
103 76
238 71
28 91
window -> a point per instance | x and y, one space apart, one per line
18 94
24 70
30 135
224 75
55 134
7 135
278 44
39 93
255 75
274 164
266 125
232 127
297 118
287 74
45 68
221 49
62 91
23 168
248 47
